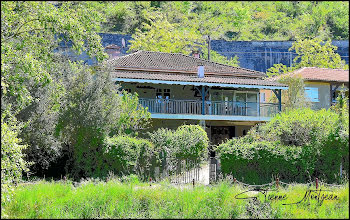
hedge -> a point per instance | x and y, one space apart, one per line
297 145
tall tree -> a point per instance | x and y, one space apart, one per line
311 53
30 33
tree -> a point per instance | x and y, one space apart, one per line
294 97
30 33
310 53
162 36
89 112
12 163
133 117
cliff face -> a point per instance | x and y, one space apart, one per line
255 55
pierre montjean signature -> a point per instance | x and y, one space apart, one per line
270 195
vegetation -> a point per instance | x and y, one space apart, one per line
12 162
131 199
67 118
30 31
186 142
277 20
133 117
296 145
310 53
124 155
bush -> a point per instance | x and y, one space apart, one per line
12 162
186 142
124 155
297 145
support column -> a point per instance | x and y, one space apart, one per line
203 100
278 93
203 92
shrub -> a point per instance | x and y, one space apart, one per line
186 142
12 162
296 145
127 155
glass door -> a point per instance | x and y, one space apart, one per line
252 104
246 103
240 100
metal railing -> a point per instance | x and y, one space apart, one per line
172 106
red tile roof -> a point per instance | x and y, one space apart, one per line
178 62
321 74
178 67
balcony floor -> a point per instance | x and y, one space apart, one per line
210 117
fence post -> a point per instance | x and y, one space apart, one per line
150 181
277 182
193 183
316 183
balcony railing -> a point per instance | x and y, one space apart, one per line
171 106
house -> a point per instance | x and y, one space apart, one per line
179 89
322 85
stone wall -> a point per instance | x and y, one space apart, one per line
255 55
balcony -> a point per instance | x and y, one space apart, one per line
211 108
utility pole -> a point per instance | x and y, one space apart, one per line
208 47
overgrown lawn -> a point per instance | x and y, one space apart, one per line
114 199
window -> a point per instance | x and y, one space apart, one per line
159 93
262 97
312 94
163 93
166 93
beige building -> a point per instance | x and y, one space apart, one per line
322 85
179 89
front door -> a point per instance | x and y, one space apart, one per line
220 134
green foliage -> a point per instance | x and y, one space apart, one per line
162 36
186 142
299 144
216 57
116 199
281 20
294 97
310 53
30 31
89 113
316 53
33 75
124 155
133 117
159 35
12 162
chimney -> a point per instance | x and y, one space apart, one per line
195 53
200 72
113 50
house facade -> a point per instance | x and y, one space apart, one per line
179 89
322 85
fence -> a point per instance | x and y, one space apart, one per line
179 172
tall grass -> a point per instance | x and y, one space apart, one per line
115 199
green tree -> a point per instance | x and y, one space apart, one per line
12 163
294 97
30 33
310 53
133 117
162 36
89 112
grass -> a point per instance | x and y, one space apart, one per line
115 199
